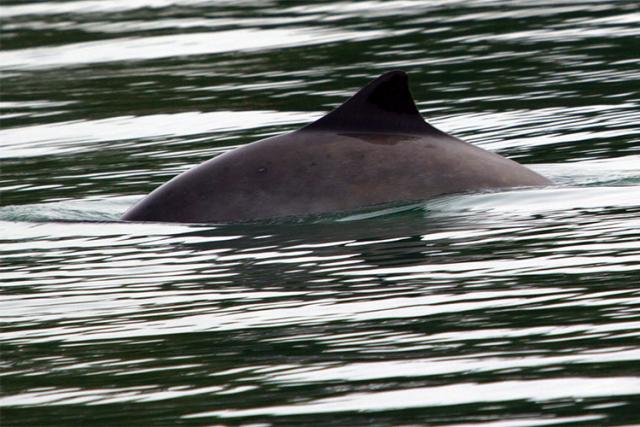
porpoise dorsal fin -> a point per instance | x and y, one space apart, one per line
384 105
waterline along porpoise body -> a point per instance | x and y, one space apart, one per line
375 148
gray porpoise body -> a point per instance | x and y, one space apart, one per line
375 148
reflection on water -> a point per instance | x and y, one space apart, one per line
127 49
514 308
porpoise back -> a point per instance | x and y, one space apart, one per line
374 149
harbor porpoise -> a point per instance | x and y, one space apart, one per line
374 149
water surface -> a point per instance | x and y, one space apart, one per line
511 308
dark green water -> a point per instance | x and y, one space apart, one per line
509 309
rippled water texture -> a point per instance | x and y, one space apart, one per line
505 309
